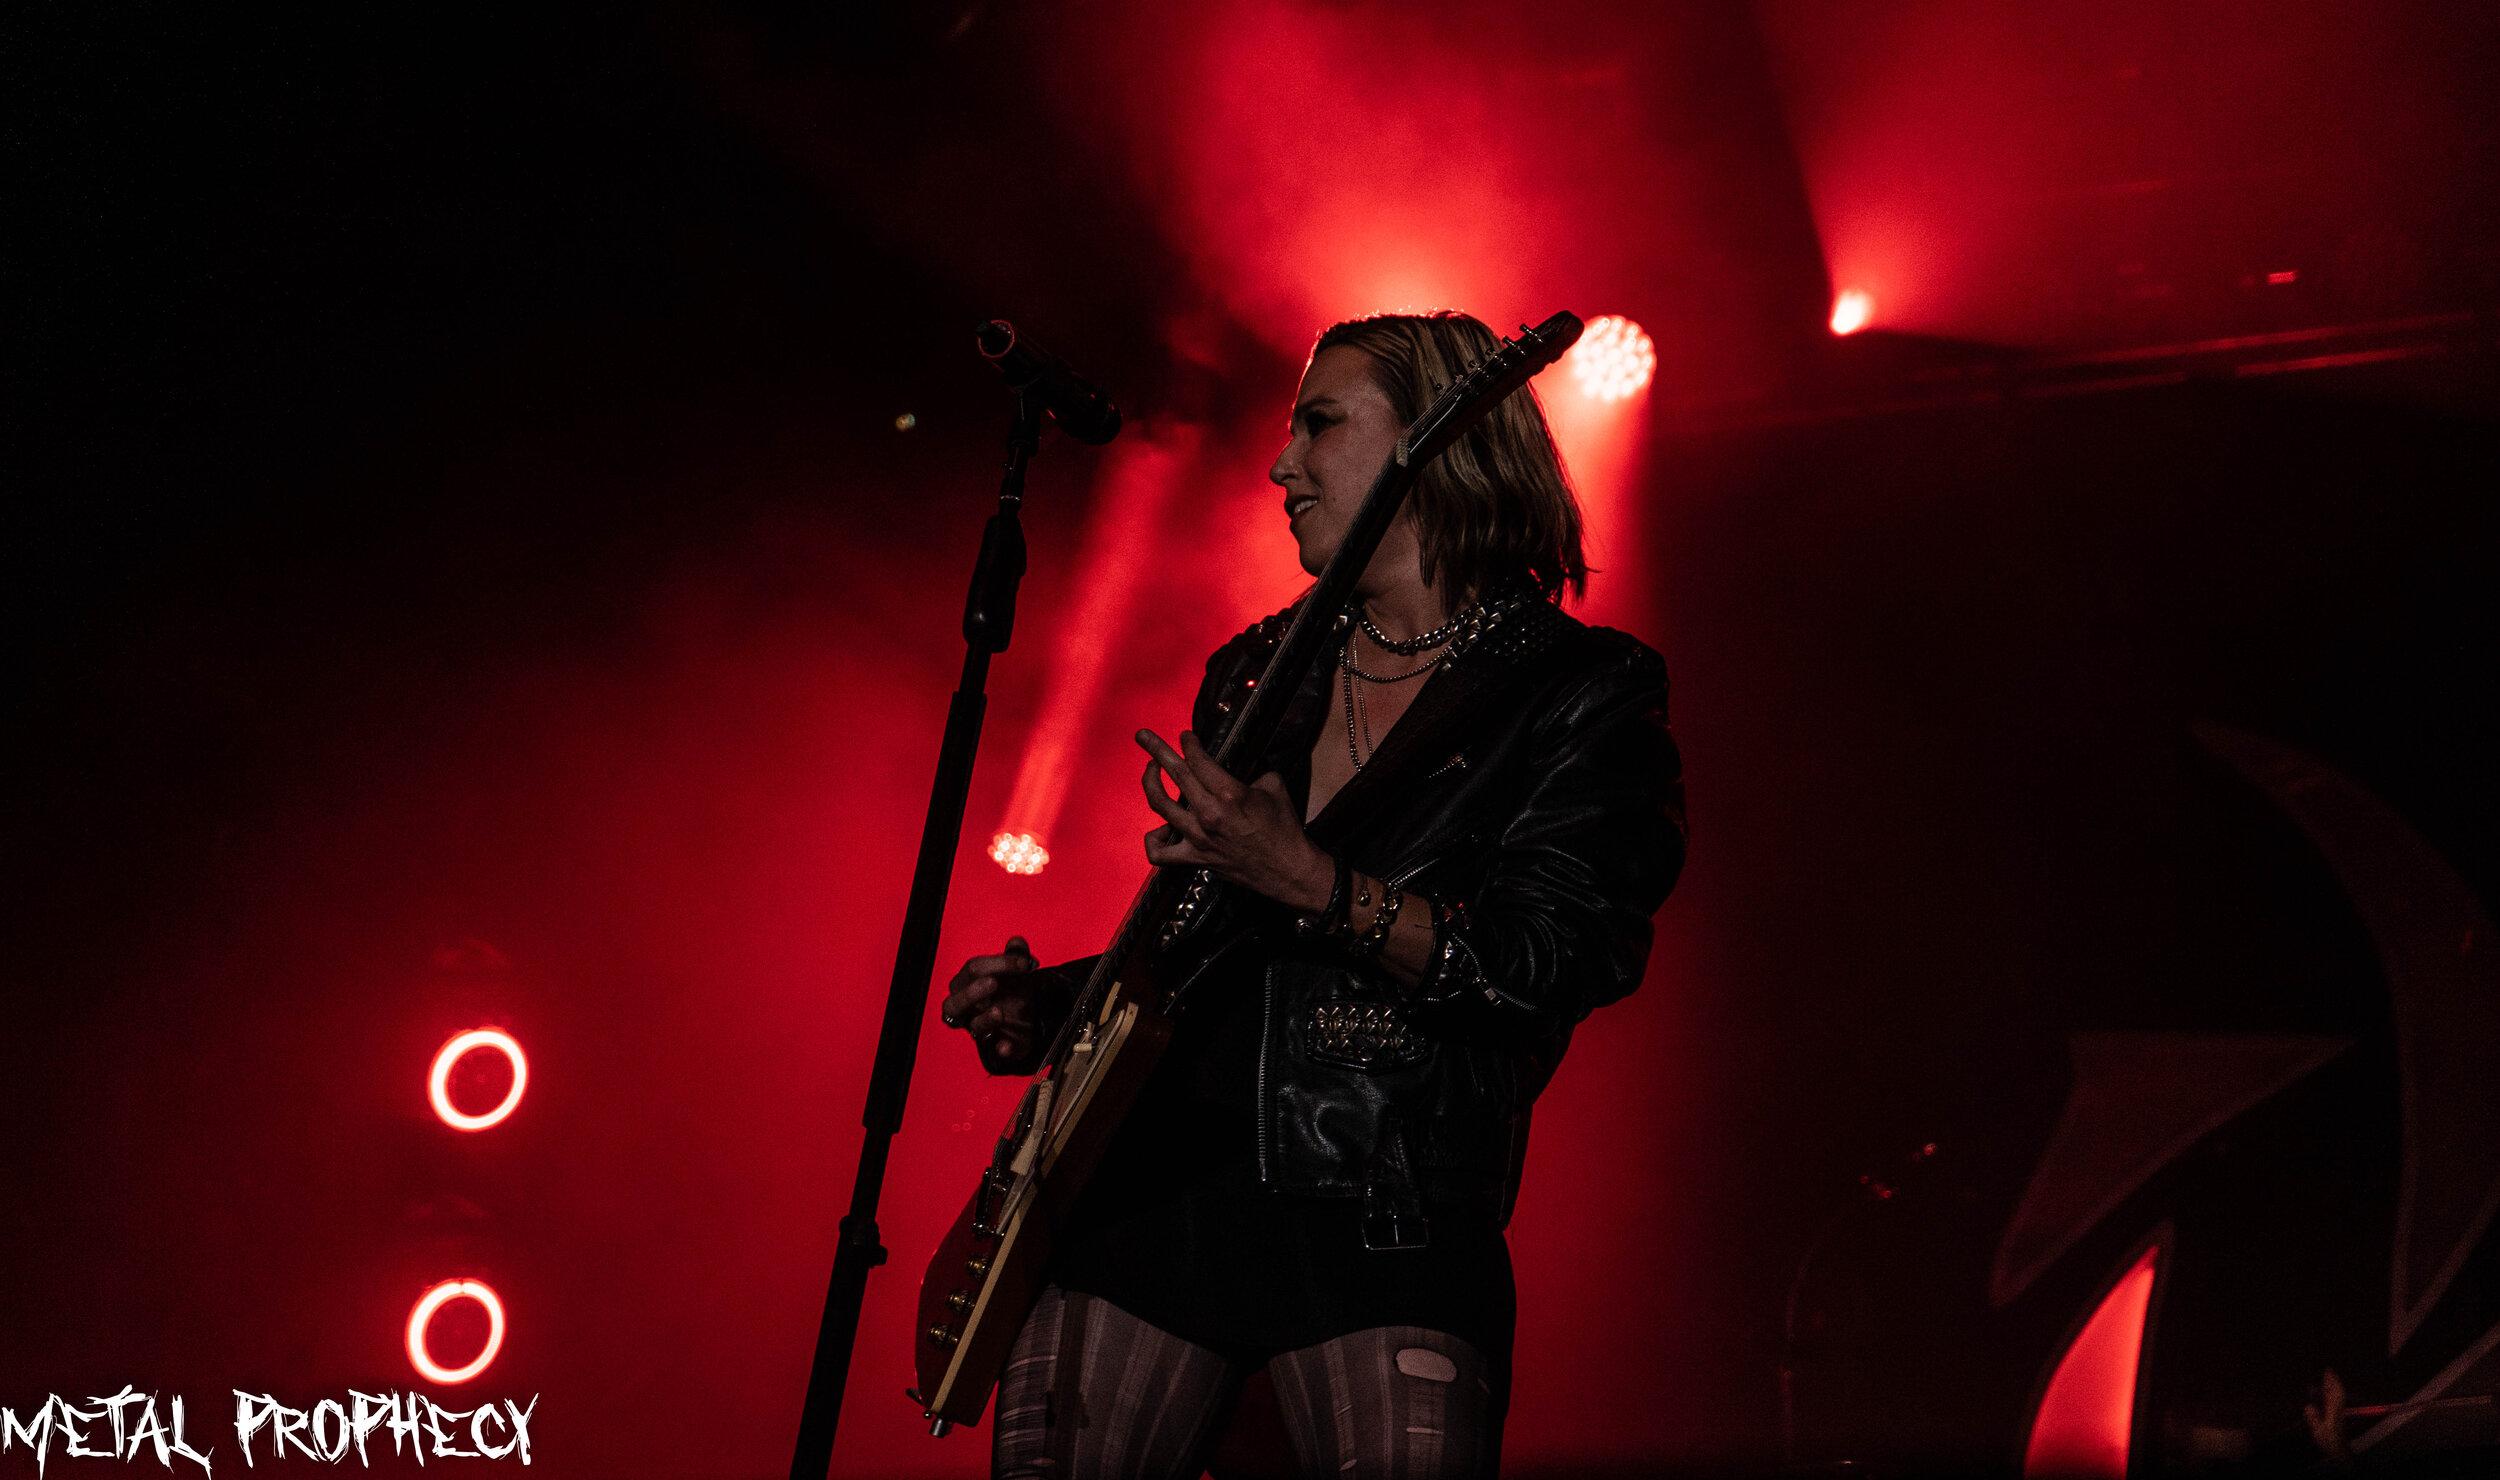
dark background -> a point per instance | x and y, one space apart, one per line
464 567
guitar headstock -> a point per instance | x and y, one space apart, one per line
1464 401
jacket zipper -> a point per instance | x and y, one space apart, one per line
1267 1028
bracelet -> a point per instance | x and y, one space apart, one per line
1333 916
1449 917
1378 935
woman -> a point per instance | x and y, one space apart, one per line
1449 858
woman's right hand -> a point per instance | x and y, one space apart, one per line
992 998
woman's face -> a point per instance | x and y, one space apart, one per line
1343 431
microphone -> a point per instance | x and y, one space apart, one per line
1081 411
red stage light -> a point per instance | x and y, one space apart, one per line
438 1084
1613 359
1851 311
1019 853
2087 1413
423 1315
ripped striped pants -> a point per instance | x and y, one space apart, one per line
1093 1393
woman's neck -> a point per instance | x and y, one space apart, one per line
1405 610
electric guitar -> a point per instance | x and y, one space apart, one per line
982 1281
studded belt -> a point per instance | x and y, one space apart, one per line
1362 1035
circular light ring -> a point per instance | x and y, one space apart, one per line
1019 853
423 1316
1614 358
438 1084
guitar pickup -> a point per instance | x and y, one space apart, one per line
989 1202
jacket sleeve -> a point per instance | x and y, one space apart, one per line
1559 925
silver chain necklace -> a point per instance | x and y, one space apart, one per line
1358 714
1407 647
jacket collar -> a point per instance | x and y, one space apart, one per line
1487 661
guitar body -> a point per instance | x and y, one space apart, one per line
988 1268
987 1271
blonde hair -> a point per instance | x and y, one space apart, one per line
1496 507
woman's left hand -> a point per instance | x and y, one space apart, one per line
1244 834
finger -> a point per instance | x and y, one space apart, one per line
960 1005
995 1022
973 967
1012 1013
1209 772
1164 845
1016 948
1176 814
1174 765
1273 785
1002 965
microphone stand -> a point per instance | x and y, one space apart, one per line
989 619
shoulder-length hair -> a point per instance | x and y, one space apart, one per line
1496 508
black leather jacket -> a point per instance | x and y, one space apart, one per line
1533 781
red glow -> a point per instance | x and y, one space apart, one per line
1601 442
1239 119
2087 1415
1613 359
438 1084
423 1315
1851 310
1019 853
1139 474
